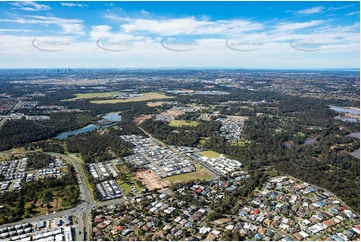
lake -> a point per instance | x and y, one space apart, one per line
109 117
85 129
345 110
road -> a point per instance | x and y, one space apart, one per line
16 106
83 210
87 201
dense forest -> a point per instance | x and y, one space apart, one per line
19 132
94 147
324 163
182 136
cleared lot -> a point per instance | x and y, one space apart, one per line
180 123
81 96
151 180
199 174
146 96
210 154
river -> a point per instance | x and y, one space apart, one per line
107 120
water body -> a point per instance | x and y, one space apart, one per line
310 140
355 135
345 110
110 117
355 153
85 129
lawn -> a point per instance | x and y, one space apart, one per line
209 153
126 186
82 96
181 123
199 174
147 96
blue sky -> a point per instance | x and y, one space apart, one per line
276 35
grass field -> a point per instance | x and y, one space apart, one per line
127 186
147 96
209 153
181 123
199 174
82 96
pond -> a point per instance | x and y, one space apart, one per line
109 119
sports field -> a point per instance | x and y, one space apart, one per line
199 174
83 96
180 123
209 153
146 97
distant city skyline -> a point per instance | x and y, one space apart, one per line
229 35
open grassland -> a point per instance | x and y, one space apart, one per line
199 174
209 153
146 97
83 96
181 123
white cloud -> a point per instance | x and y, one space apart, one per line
68 26
292 26
339 8
188 26
16 30
146 33
72 5
144 12
309 11
105 32
31 6
353 13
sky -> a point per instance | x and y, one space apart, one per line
250 35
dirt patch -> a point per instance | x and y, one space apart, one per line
237 117
140 119
151 180
154 104
172 113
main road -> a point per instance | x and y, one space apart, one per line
6 117
83 210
